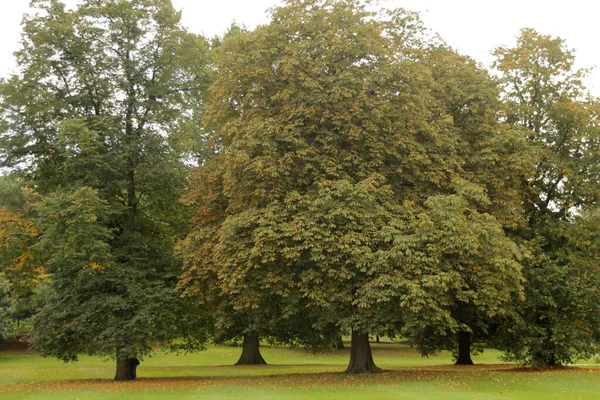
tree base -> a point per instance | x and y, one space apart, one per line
361 358
464 349
467 361
126 369
251 351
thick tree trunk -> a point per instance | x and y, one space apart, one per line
361 358
464 349
251 351
126 368
377 339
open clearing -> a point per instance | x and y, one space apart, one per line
292 374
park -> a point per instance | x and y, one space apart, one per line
333 203
294 374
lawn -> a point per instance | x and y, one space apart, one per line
292 374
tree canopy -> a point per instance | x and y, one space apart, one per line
342 179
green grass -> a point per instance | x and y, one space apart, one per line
291 374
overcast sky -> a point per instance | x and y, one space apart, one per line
474 27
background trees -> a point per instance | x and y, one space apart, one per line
7 325
20 268
558 321
96 121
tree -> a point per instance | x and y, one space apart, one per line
497 157
336 162
100 299
559 323
95 120
265 309
544 94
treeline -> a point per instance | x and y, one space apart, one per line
338 171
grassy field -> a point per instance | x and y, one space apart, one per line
292 374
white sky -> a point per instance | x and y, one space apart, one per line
474 27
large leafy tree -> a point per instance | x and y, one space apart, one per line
558 323
100 120
340 181
266 308
496 157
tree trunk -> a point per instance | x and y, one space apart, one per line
2 343
377 339
251 351
361 358
126 368
464 349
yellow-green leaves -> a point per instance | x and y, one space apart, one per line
353 175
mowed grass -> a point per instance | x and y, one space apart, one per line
292 374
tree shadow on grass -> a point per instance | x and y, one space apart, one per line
281 374
276 377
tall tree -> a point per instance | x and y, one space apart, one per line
496 157
545 95
337 165
97 118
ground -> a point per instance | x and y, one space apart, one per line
292 374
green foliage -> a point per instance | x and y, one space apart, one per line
101 298
545 95
7 322
558 322
101 121
18 261
13 196
355 176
